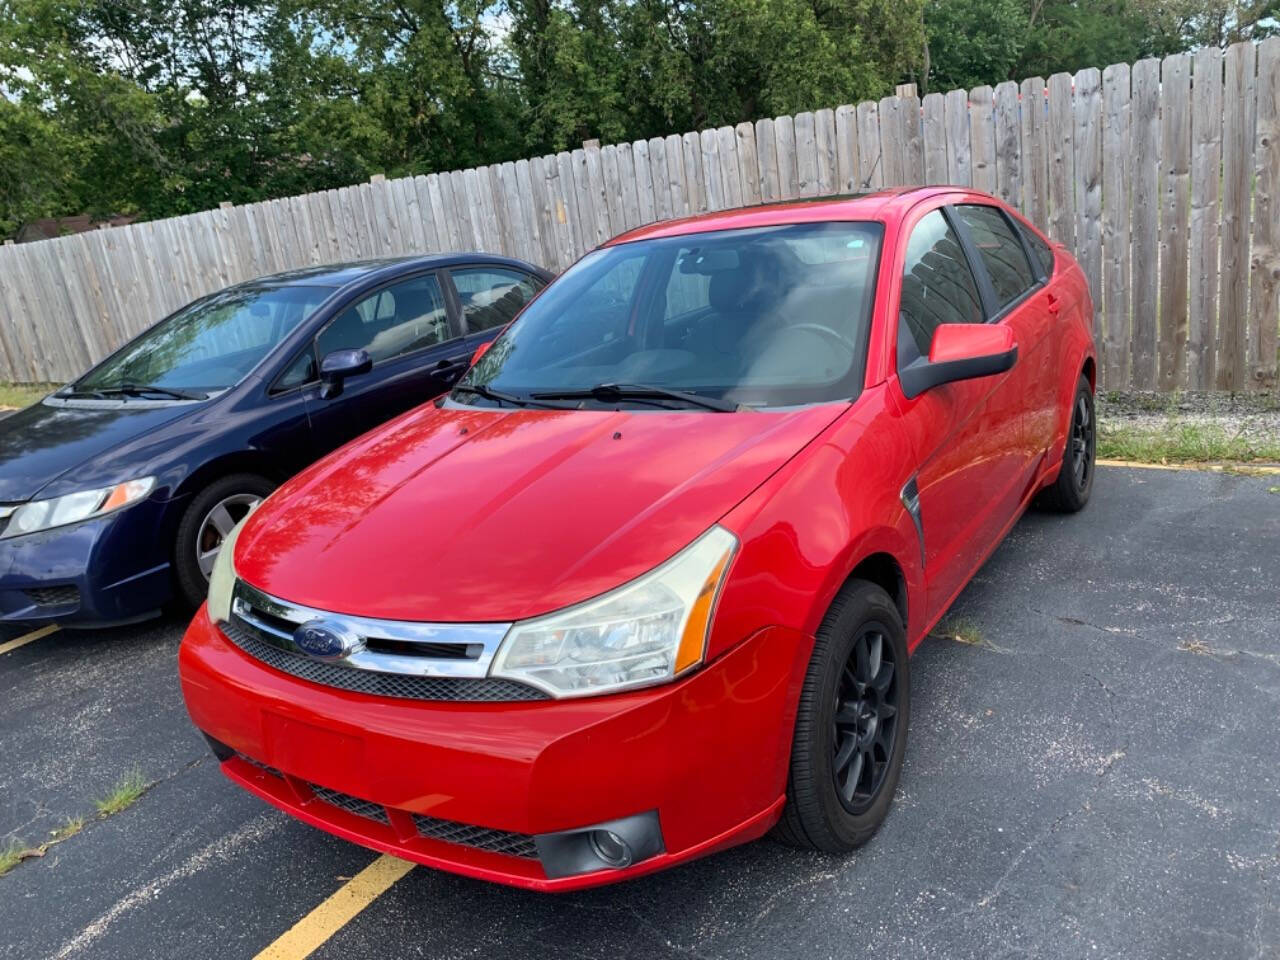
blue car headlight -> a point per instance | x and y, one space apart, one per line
73 507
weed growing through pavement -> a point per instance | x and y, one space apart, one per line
124 794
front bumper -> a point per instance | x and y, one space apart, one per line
467 786
99 571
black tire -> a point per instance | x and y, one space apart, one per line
817 816
1071 488
191 583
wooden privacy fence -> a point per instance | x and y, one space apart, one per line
1162 177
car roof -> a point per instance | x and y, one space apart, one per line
341 274
876 205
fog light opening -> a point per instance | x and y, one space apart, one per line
611 848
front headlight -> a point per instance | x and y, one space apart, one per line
223 576
73 507
650 630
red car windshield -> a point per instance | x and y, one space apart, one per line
762 317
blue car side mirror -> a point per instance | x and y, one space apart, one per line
337 366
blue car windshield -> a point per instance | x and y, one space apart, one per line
209 345
758 317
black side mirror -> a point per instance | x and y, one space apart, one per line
337 366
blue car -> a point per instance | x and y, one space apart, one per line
117 490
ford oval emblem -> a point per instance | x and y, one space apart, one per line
326 640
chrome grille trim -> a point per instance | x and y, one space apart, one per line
397 685
470 646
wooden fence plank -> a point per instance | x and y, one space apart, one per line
935 138
711 178
846 148
1087 141
983 138
1264 294
1144 222
1062 205
1206 176
767 161
912 140
887 111
730 177
630 189
1035 152
784 131
806 155
824 135
694 178
645 212
748 164
612 190
959 156
1237 171
661 179
676 176
1008 138
1115 227
570 220
1175 217
870 169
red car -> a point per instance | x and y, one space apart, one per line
644 585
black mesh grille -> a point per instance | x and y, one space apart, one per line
361 808
482 838
379 684
260 765
54 596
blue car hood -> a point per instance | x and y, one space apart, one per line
43 442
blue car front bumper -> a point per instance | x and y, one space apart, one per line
108 570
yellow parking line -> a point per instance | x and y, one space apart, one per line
305 936
1261 469
26 638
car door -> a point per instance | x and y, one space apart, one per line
487 297
969 434
417 350
1013 287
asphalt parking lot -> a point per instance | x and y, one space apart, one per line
1097 776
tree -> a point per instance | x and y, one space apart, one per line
974 42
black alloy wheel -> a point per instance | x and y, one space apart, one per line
865 721
1070 490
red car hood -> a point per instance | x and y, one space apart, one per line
453 515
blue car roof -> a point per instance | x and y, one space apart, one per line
340 274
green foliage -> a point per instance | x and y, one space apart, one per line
164 107
972 42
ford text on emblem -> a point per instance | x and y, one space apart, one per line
326 640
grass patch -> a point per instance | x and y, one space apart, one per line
69 829
1182 442
961 630
14 853
24 394
124 794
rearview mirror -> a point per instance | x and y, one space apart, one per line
480 352
961 351
337 366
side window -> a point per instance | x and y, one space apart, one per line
396 320
937 287
302 370
1043 252
1001 251
492 296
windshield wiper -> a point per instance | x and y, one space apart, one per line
613 392
141 389
499 396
